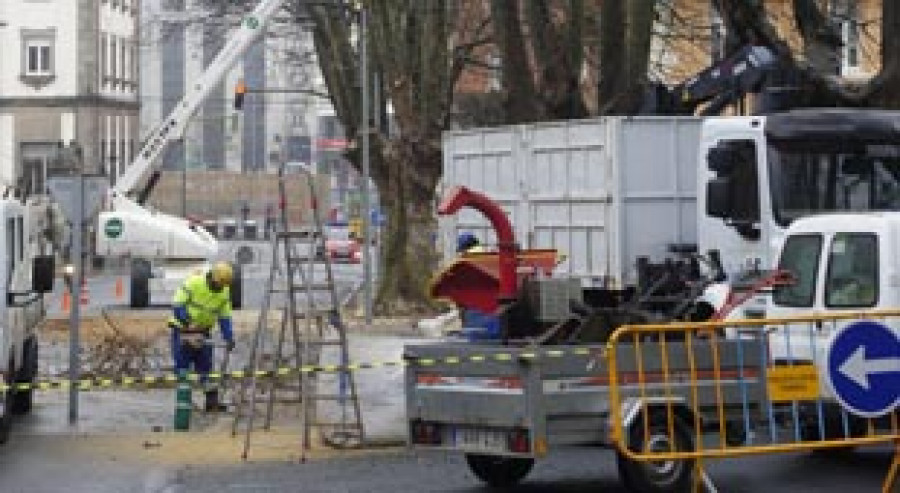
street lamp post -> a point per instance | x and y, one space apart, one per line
364 128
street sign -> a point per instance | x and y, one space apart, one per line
65 190
863 368
793 383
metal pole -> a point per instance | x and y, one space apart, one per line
75 315
184 187
367 254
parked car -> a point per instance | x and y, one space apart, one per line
341 245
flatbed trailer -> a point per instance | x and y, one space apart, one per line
505 406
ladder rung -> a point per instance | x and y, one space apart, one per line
301 288
315 313
301 260
329 397
297 233
336 424
335 342
312 287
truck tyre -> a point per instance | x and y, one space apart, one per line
140 283
832 425
21 400
499 472
670 476
6 414
237 288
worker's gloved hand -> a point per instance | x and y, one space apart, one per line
229 346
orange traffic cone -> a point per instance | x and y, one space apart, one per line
85 294
120 289
66 301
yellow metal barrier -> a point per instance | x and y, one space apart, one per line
695 391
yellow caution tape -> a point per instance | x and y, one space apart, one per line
168 379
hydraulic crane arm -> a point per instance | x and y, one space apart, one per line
718 85
172 128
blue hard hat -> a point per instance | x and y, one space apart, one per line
465 241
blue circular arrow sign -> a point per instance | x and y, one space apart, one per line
863 368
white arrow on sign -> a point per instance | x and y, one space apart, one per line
857 368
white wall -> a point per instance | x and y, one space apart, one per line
38 14
7 150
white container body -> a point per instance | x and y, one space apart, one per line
601 191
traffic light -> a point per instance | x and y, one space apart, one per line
239 91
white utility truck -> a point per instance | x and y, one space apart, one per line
27 272
838 263
631 201
609 191
164 248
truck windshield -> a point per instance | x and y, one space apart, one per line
800 257
823 177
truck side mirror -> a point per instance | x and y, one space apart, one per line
721 159
42 274
718 198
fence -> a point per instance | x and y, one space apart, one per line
689 392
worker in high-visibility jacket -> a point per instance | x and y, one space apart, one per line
201 301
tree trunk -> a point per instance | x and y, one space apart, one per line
624 54
520 95
408 253
885 89
612 56
821 39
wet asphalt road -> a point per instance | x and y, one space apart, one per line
569 471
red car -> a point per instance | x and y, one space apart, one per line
341 246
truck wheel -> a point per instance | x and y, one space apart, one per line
140 283
833 424
21 400
499 472
237 288
666 476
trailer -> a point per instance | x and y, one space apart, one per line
505 407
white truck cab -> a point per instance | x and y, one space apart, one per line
761 174
25 275
839 262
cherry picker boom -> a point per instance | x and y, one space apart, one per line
127 228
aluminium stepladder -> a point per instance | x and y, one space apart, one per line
311 318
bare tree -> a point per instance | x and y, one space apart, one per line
626 29
813 75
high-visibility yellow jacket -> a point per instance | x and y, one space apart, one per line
204 307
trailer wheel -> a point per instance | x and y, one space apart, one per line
141 272
499 472
657 476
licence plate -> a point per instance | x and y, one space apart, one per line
480 439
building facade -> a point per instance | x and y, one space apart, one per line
179 39
68 73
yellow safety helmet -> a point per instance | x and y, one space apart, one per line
222 273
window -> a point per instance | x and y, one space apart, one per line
123 46
823 176
37 55
10 249
104 58
845 14
800 257
852 271
495 72
113 58
20 227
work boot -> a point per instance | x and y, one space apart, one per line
212 402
